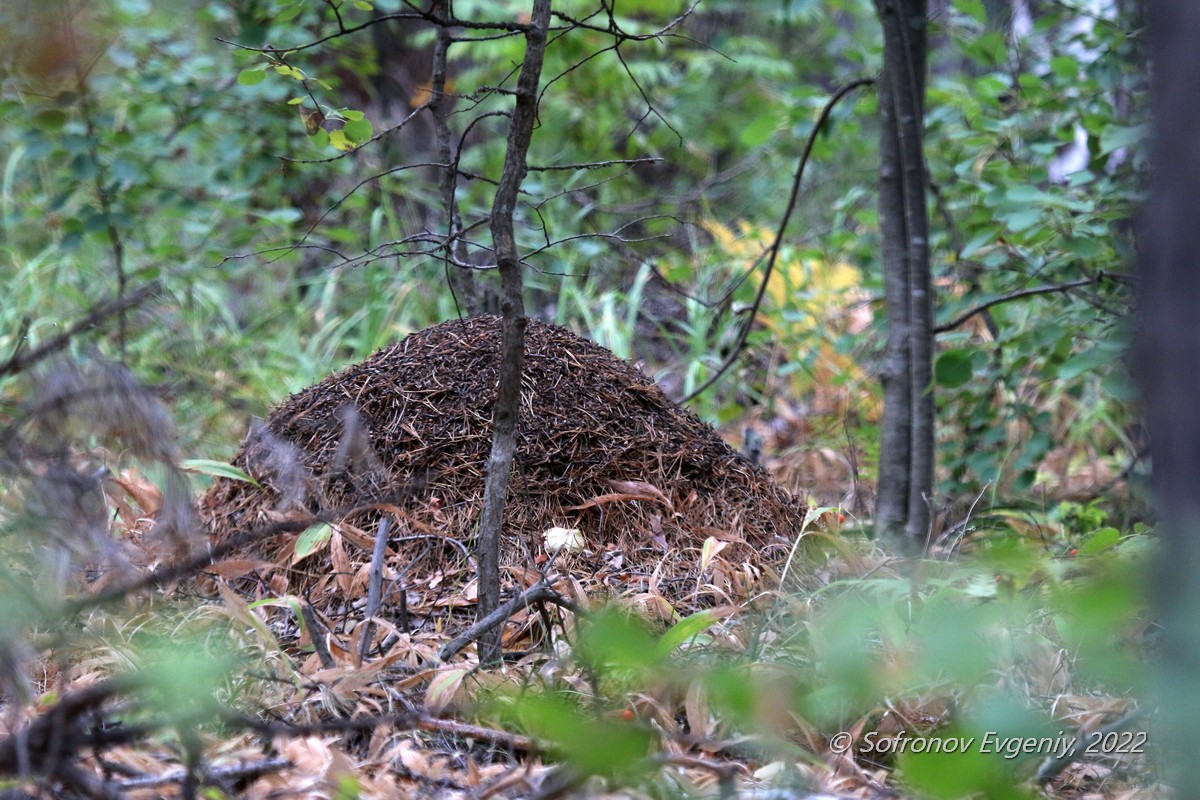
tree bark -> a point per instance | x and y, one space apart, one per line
906 457
506 411
1167 363
891 504
461 279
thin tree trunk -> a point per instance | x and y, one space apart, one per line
907 444
891 503
1167 360
461 279
506 411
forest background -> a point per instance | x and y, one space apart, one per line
232 220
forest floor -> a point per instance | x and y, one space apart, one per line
761 647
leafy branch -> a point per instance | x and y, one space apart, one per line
1017 295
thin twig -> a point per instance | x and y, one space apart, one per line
316 634
778 242
510 27
1051 767
1017 295
210 776
512 741
117 305
404 720
101 183
539 592
596 164
374 585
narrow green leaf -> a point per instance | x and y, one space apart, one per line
218 469
295 101
683 632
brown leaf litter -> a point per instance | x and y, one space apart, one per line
408 432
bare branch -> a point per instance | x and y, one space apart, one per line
350 193
650 107
597 164
614 29
512 741
540 592
210 775
778 241
336 15
19 362
444 22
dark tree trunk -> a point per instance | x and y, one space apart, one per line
460 278
1167 359
512 307
906 447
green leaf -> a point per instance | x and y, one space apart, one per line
616 640
358 131
1116 137
313 538
759 130
977 243
1065 67
340 141
363 5
1098 541
290 602
251 76
50 119
594 745
953 368
683 632
1023 220
1119 386
295 101
290 13
1085 247
972 8
218 469
957 771
1091 360
289 71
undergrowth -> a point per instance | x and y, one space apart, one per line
966 672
